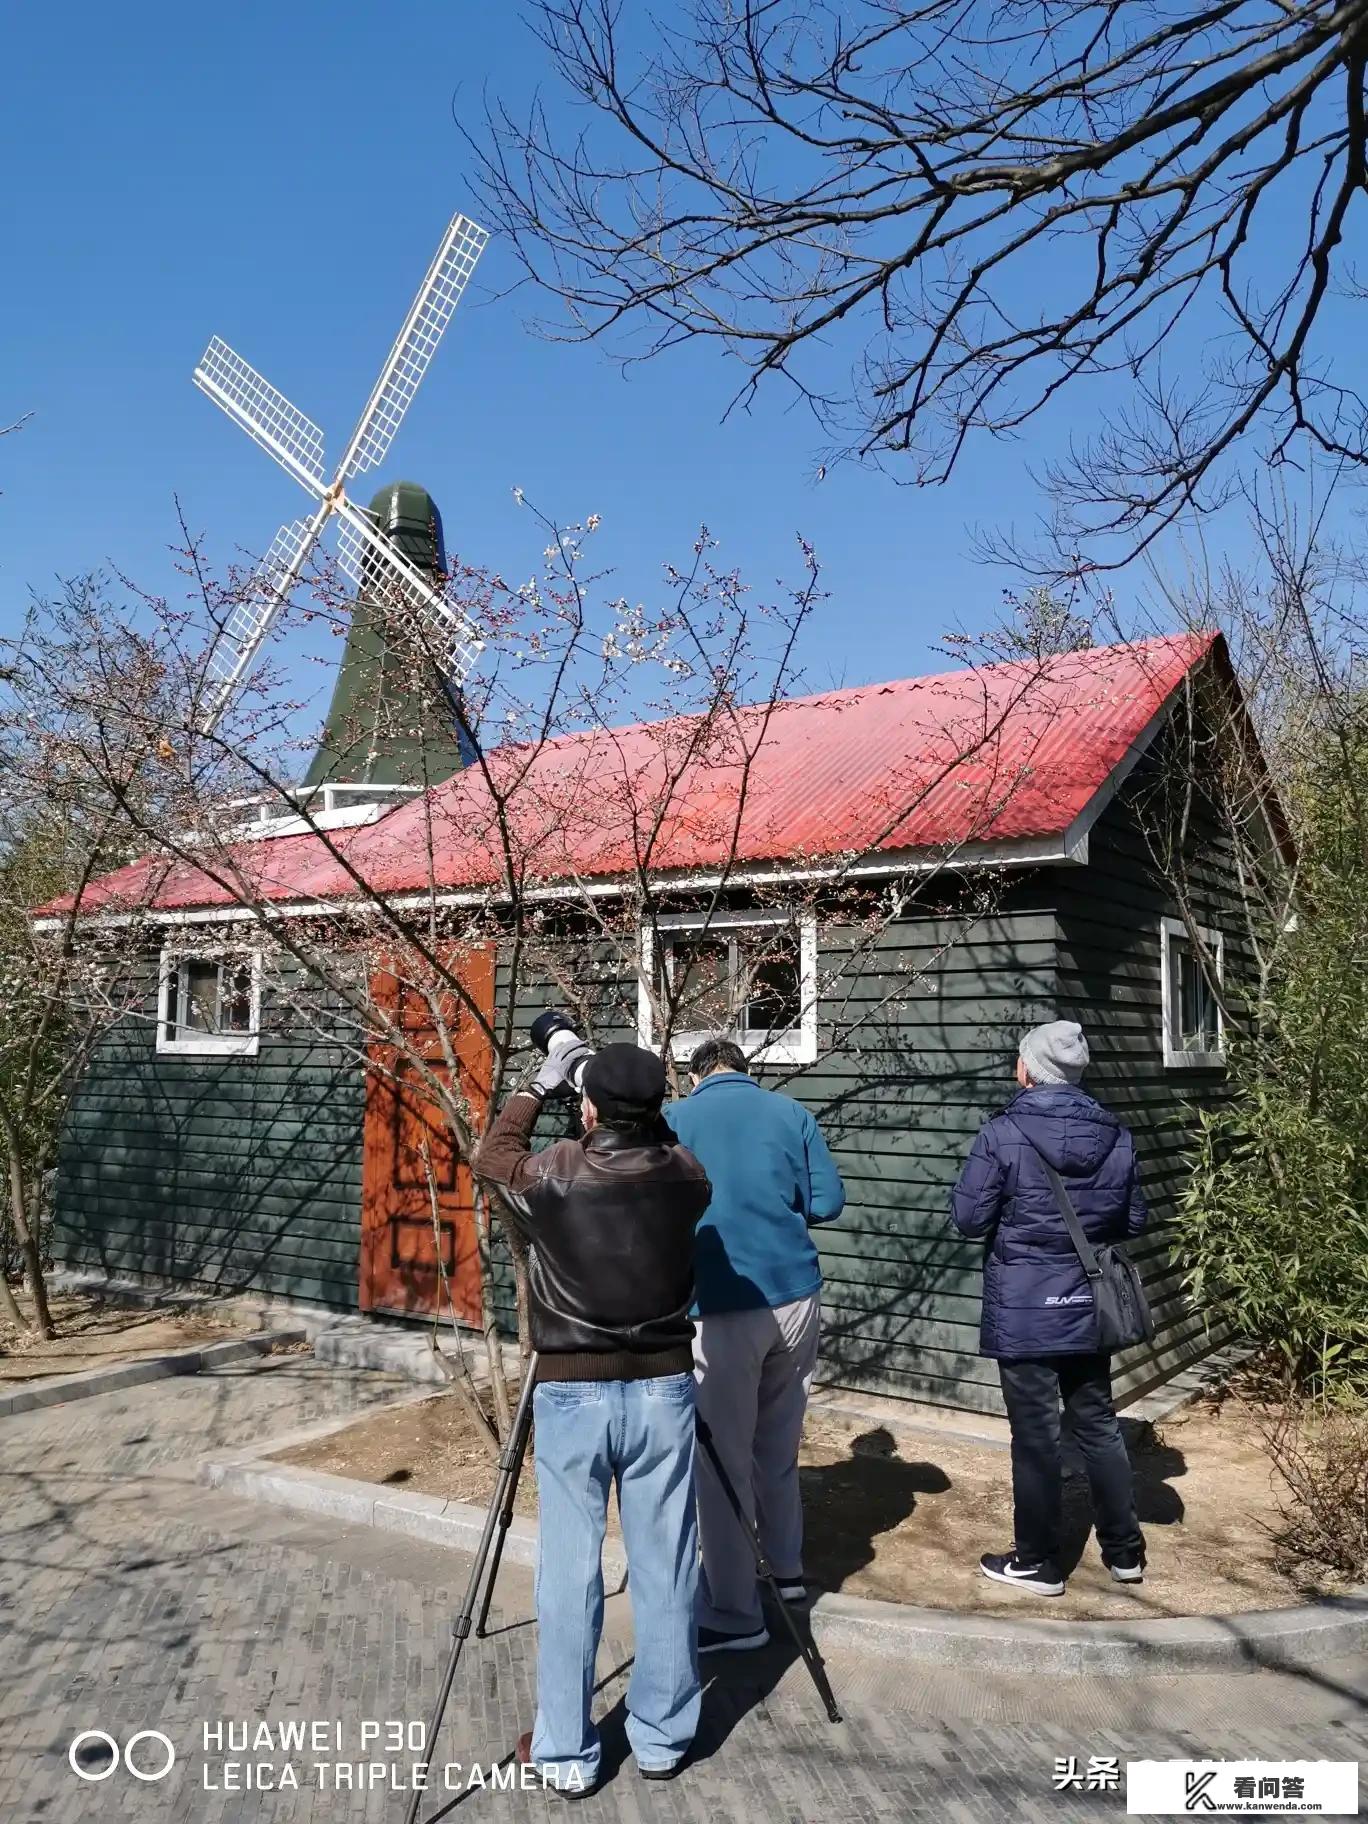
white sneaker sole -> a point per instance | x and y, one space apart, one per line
737 1643
1031 1585
793 1592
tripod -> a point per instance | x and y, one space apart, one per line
500 1515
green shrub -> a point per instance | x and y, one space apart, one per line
1273 1224
1273 1234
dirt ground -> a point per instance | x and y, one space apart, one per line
94 1334
904 1517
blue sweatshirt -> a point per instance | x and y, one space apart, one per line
771 1176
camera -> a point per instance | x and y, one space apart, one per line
554 1034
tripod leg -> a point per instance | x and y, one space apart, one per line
517 1445
807 1648
444 1692
510 1464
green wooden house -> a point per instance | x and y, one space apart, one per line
1036 842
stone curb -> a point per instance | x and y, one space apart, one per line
58 1390
247 1311
1288 1638
389 1350
458 1524
1285 1638
341 1339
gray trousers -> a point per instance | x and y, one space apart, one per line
754 1371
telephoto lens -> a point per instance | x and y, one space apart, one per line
554 1033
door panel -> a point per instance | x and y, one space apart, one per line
409 1160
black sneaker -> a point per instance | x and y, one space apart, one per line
1043 1579
714 1640
1128 1567
792 1589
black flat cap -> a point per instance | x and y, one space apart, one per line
623 1081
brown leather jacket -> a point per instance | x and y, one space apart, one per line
611 1221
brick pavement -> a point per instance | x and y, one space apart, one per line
131 1597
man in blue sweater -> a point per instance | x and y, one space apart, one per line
757 1324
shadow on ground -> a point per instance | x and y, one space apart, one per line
848 1504
1156 1467
734 1684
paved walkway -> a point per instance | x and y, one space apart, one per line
132 1598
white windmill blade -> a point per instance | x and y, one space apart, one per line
265 414
239 639
415 345
380 574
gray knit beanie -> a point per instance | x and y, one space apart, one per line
1055 1053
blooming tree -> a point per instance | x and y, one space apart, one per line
599 730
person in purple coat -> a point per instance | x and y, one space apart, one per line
1037 1309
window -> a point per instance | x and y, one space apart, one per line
210 1003
749 975
1194 1031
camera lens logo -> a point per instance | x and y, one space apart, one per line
94 1755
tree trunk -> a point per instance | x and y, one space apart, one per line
9 1305
28 1244
498 1381
462 1384
524 1309
461 1378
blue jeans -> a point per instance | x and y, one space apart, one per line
639 1434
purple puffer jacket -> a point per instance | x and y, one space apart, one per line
1036 1300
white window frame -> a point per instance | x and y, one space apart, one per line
189 1044
798 1045
1175 1058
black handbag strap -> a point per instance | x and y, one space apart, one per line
1082 1246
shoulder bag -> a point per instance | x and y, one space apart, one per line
1121 1311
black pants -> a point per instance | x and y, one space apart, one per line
1034 1391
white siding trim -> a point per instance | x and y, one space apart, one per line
1175 1058
799 1047
1076 836
204 1044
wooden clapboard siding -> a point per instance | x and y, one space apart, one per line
1110 981
900 1101
237 1174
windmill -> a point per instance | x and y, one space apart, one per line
367 557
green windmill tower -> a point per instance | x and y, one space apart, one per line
385 725
391 728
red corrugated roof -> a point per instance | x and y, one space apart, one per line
991 754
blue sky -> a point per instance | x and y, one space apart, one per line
278 175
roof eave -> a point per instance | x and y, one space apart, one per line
1022 852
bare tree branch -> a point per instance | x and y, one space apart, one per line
931 217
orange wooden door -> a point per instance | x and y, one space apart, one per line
409 1160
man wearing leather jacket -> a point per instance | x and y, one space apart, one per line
610 1219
